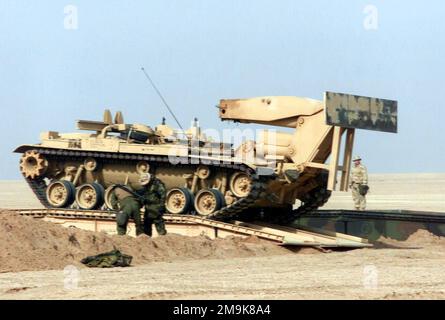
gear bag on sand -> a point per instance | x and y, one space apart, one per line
108 260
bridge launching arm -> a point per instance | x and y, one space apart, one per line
275 111
312 142
319 126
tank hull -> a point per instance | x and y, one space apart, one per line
107 169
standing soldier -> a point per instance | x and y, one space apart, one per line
128 207
359 184
153 191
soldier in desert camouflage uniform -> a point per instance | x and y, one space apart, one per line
127 206
153 192
359 184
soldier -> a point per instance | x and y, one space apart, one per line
128 207
359 184
153 192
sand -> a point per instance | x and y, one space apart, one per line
32 244
178 267
420 191
385 273
412 269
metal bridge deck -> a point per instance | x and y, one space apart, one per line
396 215
373 224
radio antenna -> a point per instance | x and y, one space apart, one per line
162 98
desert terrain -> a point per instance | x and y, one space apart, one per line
40 260
420 191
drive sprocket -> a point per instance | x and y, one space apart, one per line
33 164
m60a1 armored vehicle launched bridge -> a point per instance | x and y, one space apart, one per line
258 179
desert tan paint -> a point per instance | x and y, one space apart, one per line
311 140
298 158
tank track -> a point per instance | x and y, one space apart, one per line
315 199
285 216
38 185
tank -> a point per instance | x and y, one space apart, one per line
257 179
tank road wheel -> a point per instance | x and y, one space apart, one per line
142 167
60 194
107 197
90 196
208 201
203 172
33 164
90 164
240 184
179 200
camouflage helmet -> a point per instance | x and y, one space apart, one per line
144 179
356 158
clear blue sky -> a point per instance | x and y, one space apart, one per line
201 51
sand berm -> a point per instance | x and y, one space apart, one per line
33 244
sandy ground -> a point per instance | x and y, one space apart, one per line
414 271
357 274
17 194
29 244
424 192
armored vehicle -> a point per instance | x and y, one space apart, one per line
204 177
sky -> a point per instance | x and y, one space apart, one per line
66 60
